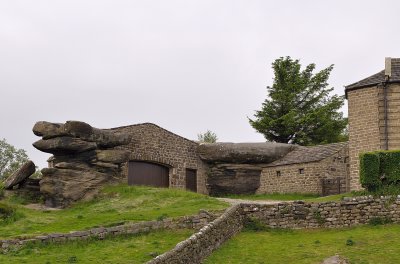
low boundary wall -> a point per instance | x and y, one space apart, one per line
297 214
190 222
349 212
200 245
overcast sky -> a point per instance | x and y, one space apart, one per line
185 65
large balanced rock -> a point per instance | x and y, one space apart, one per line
84 160
20 175
244 152
235 168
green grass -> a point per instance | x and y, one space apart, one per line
122 249
116 205
364 244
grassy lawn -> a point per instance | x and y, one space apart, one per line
123 249
364 244
116 205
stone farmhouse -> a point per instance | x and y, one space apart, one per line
161 158
374 115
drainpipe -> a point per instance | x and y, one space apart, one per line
388 73
385 114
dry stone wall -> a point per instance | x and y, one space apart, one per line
189 222
349 212
203 243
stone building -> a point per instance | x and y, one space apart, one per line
374 115
161 158
319 169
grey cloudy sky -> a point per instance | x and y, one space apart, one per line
185 65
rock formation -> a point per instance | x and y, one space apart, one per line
84 160
235 168
252 153
20 175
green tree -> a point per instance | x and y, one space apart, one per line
11 158
299 108
207 137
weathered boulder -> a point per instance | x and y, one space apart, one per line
112 155
48 130
20 175
83 131
103 138
63 186
84 160
244 152
233 179
64 144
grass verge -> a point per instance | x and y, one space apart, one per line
365 244
116 205
123 249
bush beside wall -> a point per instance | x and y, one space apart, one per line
369 170
379 169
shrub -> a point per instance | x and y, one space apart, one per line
8 213
255 225
379 221
380 170
390 166
369 171
350 242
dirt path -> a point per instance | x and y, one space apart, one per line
237 201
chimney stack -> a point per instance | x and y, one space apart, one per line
388 66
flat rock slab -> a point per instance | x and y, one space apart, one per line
63 145
244 152
20 175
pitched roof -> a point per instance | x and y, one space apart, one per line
309 154
377 77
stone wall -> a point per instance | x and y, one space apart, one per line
298 214
349 212
288 179
189 222
364 133
152 143
203 243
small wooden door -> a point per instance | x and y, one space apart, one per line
191 180
150 174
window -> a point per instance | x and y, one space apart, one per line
278 173
301 171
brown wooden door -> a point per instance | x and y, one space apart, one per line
150 174
191 180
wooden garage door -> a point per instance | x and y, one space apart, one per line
150 174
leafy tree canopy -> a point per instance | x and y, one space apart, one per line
299 108
207 137
11 158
